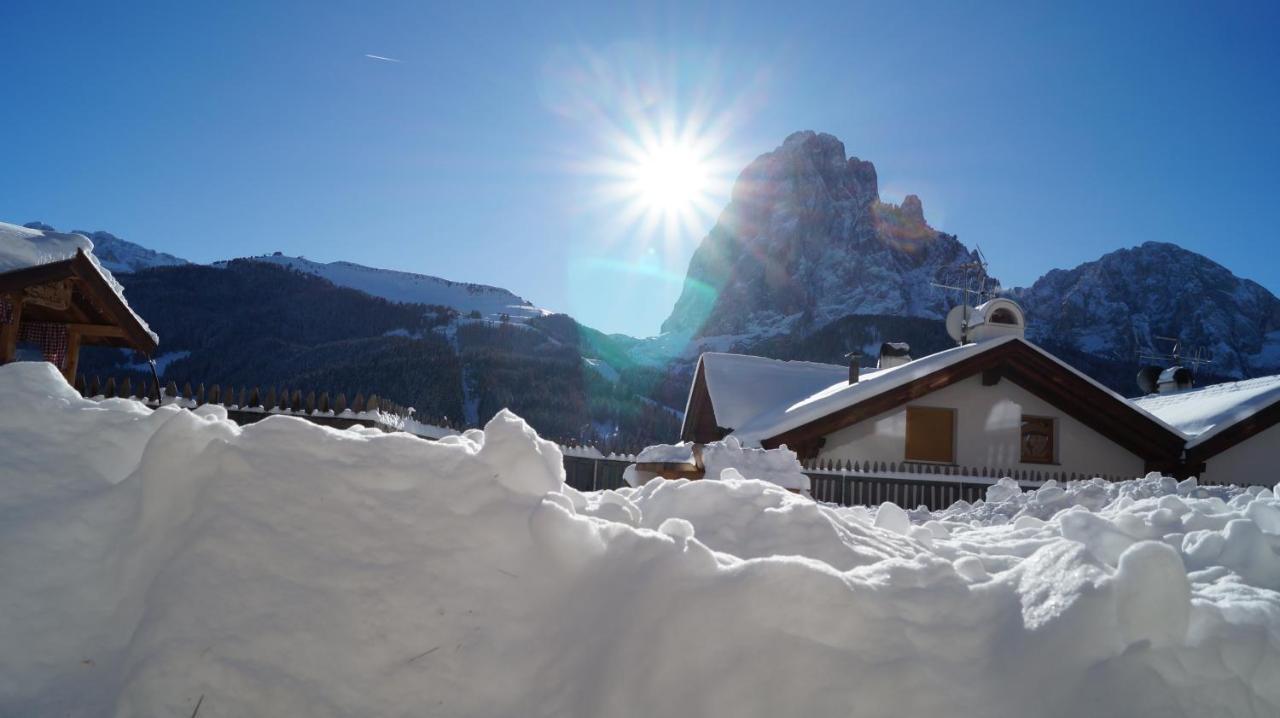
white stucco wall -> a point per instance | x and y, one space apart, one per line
1255 460
988 433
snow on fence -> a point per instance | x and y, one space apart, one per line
248 404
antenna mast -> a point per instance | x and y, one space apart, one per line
973 270
1174 357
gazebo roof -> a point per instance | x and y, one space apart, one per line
73 290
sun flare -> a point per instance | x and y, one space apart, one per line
670 178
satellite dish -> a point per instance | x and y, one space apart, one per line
1149 379
955 323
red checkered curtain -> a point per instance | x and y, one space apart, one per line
50 337
6 311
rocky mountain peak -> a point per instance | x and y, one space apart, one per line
804 240
1126 299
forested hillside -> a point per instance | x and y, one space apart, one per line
258 324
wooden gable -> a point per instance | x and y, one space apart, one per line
700 425
72 292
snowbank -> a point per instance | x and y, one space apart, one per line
681 453
153 560
777 466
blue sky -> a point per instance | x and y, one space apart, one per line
1047 134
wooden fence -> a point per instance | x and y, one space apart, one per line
246 404
834 486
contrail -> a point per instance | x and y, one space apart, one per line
380 57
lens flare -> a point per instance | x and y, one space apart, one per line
669 178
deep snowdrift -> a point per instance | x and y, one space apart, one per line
153 560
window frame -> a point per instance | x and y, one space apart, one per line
1053 440
906 444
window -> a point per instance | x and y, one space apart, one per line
1038 440
1003 316
931 434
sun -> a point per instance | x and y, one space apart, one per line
670 178
664 184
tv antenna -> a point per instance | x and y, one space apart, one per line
1175 356
975 271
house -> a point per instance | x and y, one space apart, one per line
1232 430
56 298
996 405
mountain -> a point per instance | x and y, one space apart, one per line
474 300
252 323
1101 313
807 262
119 255
805 241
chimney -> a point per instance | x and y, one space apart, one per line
853 358
893 354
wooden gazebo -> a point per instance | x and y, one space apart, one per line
63 305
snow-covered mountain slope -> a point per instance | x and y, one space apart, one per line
489 302
805 240
119 255
1121 302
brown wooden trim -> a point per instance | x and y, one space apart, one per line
672 469
96 330
700 425
105 296
9 332
95 287
73 355
991 377
1237 433
1027 367
40 274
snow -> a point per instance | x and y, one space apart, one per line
1204 412
681 453
397 286
743 387
21 247
604 369
776 466
153 560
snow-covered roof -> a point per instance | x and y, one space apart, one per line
838 395
1203 413
23 247
742 387
791 411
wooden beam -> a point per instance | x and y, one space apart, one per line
991 377
9 332
73 355
96 286
96 330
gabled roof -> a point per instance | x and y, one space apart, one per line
799 420
30 257
1215 418
743 387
